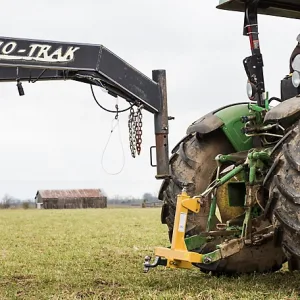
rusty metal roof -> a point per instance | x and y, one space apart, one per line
78 193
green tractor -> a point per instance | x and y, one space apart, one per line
232 201
230 189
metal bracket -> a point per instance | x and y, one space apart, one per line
254 64
151 156
178 256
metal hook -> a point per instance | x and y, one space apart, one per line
117 108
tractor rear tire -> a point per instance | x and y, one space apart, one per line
193 163
284 196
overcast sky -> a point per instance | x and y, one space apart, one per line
54 136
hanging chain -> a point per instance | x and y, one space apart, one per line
138 129
131 123
135 130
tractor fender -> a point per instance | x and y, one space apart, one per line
204 125
228 119
287 111
210 121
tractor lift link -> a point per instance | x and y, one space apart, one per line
32 60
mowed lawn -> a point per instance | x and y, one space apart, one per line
98 254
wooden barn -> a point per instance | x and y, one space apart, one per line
80 198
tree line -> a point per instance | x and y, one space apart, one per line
9 201
146 199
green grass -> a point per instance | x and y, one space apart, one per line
98 254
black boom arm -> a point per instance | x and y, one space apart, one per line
33 60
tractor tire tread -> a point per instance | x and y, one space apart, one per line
285 183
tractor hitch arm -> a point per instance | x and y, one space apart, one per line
39 60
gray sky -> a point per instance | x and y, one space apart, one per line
54 136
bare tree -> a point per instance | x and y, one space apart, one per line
25 204
150 197
6 201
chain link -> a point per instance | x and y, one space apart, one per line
132 140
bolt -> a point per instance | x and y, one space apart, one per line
207 260
200 201
146 263
147 259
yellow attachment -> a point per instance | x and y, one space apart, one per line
178 256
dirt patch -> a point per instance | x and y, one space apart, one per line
101 281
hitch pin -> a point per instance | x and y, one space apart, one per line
157 262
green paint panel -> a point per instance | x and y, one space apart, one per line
231 116
194 242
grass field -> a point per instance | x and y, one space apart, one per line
98 254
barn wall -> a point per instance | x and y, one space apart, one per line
50 203
72 203
39 199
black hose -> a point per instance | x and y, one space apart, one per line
108 110
35 80
275 98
